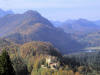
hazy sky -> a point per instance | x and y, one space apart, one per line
57 9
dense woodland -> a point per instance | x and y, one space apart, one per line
28 59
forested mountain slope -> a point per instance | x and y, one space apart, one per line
31 26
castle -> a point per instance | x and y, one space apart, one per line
52 62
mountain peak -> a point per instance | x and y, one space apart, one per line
83 20
31 12
4 13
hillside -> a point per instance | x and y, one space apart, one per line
4 43
31 26
38 48
92 39
27 50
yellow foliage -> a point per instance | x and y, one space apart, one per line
77 73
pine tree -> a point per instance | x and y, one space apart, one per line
6 67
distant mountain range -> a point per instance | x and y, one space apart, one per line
97 22
4 13
80 26
56 23
84 31
31 26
